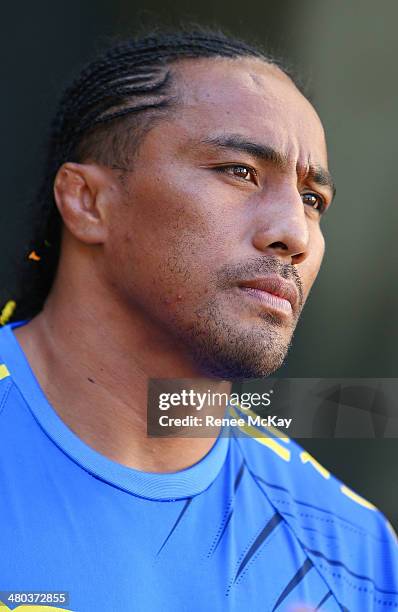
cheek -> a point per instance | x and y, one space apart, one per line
168 241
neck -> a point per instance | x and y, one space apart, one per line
94 367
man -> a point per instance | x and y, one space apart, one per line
189 176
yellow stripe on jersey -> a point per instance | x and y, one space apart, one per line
262 438
307 458
273 430
3 371
29 608
357 498
392 530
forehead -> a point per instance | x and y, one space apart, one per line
252 98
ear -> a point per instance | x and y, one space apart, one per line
80 193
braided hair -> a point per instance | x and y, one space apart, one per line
102 116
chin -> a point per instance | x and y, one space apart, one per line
239 370
244 358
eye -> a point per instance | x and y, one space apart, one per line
315 201
239 171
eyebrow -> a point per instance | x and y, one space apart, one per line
264 152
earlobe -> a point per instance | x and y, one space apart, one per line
77 189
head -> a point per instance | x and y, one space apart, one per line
191 172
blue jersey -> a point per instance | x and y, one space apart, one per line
256 525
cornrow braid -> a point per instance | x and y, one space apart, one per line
127 86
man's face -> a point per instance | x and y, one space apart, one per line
218 240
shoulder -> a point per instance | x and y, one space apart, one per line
7 365
348 540
5 377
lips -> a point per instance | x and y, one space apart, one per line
274 285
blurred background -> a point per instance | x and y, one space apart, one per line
346 54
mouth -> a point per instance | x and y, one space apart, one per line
273 292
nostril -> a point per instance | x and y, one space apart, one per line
298 258
278 245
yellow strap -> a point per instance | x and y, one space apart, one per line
3 371
357 498
273 430
261 438
29 608
306 457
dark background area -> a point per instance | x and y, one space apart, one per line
346 53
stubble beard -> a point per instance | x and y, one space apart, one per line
238 351
227 338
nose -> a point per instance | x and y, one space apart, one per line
282 227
